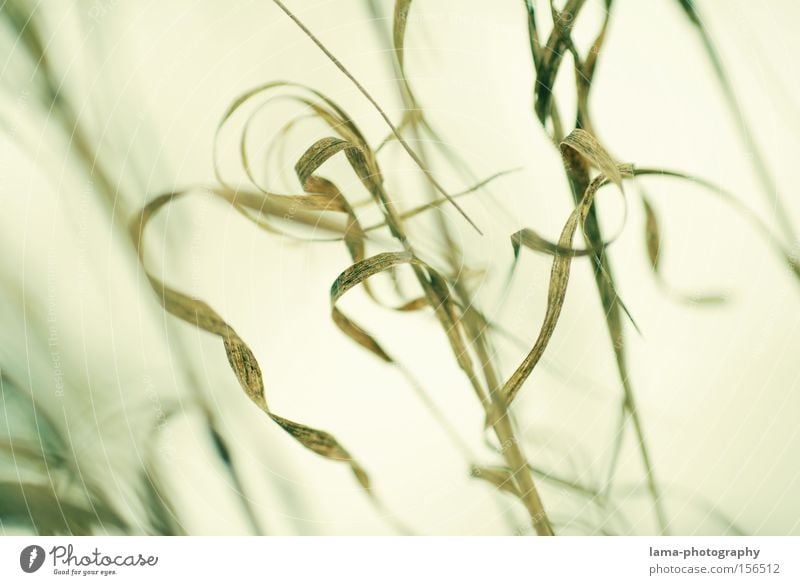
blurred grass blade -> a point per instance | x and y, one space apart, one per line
653 246
401 8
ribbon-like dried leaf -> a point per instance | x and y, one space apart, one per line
322 194
241 358
439 300
317 154
582 144
357 274
587 146
414 156
533 241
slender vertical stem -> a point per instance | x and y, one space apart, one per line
491 401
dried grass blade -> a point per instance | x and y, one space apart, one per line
585 145
241 358
414 156
530 239
653 245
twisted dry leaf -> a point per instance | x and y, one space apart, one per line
241 358
579 143
394 130
530 239
361 272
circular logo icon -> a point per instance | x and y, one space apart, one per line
31 558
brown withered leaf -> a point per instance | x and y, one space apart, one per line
530 239
241 358
357 274
438 298
317 154
321 193
411 152
585 145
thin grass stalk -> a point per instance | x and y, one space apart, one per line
768 187
495 407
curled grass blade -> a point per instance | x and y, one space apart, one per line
584 145
241 358
414 156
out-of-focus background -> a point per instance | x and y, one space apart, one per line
119 381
